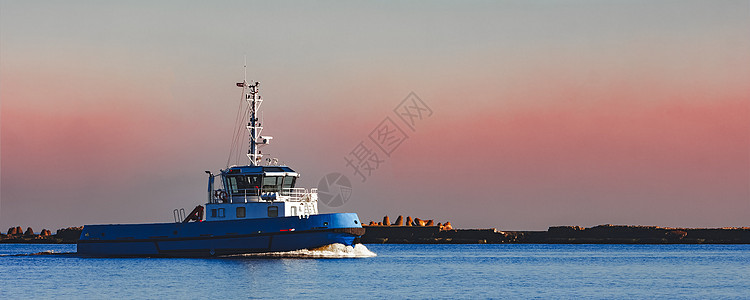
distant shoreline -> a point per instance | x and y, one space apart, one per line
16 235
602 234
400 234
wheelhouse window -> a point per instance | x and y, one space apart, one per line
240 212
244 184
273 211
288 182
272 184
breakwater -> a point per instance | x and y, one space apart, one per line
68 235
603 234
413 233
419 233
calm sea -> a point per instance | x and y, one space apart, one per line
398 271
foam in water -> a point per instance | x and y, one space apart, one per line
328 251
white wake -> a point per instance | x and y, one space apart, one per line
328 251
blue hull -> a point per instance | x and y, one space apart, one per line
197 239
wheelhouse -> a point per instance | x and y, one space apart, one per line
244 184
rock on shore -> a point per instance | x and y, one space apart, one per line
68 235
410 222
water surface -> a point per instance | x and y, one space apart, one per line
414 271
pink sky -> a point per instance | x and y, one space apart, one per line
544 114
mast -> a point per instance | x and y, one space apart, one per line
252 96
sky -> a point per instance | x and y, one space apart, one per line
543 113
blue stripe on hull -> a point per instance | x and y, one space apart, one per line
219 237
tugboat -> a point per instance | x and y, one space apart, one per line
258 209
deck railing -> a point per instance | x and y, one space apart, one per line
300 194
293 194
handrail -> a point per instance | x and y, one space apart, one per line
178 214
300 194
290 194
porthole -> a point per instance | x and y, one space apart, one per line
325 223
355 222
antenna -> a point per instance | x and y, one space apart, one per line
245 67
251 93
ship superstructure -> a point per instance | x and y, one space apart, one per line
254 190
